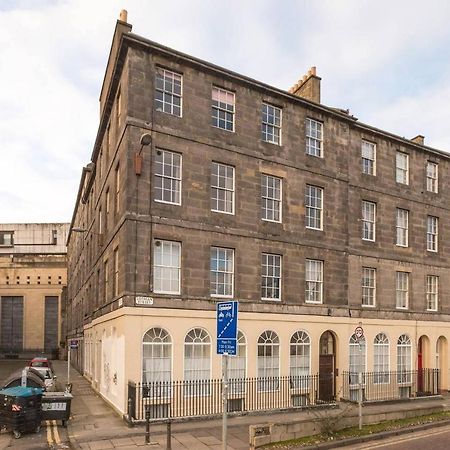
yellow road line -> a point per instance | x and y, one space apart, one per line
49 432
55 432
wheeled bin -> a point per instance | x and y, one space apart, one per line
56 406
20 409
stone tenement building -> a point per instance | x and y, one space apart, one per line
206 185
33 273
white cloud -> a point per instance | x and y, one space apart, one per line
382 59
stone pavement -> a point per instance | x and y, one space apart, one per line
95 426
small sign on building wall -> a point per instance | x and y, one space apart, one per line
146 301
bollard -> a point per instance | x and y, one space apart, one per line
147 425
169 435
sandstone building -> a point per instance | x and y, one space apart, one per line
205 185
33 272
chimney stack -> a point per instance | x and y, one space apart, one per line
308 87
123 17
419 139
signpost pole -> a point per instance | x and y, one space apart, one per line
224 399
359 334
68 363
360 388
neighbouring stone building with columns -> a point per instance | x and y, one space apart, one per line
33 275
206 185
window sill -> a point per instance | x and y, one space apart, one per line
315 156
222 212
223 129
272 143
166 203
271 221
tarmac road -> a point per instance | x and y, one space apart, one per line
52 435
437 438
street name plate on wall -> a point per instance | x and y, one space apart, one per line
144 301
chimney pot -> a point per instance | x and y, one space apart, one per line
313 70
123 17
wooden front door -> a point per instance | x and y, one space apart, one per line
326 378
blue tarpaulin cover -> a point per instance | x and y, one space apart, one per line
19 391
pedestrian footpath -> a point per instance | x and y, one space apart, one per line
96 426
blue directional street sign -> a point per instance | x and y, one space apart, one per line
227 317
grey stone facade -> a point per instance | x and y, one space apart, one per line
131 227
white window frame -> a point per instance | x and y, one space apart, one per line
401 290
271 123
402 227
369 158
369 287
368 220
169 164
223 110
313 207
271 198
432 233
271 276
432 292
381 359
169 81
199 341
222 185
432 174
237 366
402 168
173 268
357 354
314 138
268 350
300 358
159 343
404 359
227 272
116 272
314 275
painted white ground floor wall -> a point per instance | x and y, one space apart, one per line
113 344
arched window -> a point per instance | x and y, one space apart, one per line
156 356
357 357
404 359
268 361
381 359
237 365
300 355
197 361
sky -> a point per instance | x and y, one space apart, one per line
387 61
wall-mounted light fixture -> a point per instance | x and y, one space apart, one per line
146 139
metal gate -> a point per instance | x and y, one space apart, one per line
51 324
11 329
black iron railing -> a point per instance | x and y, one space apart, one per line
384 386
174 399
